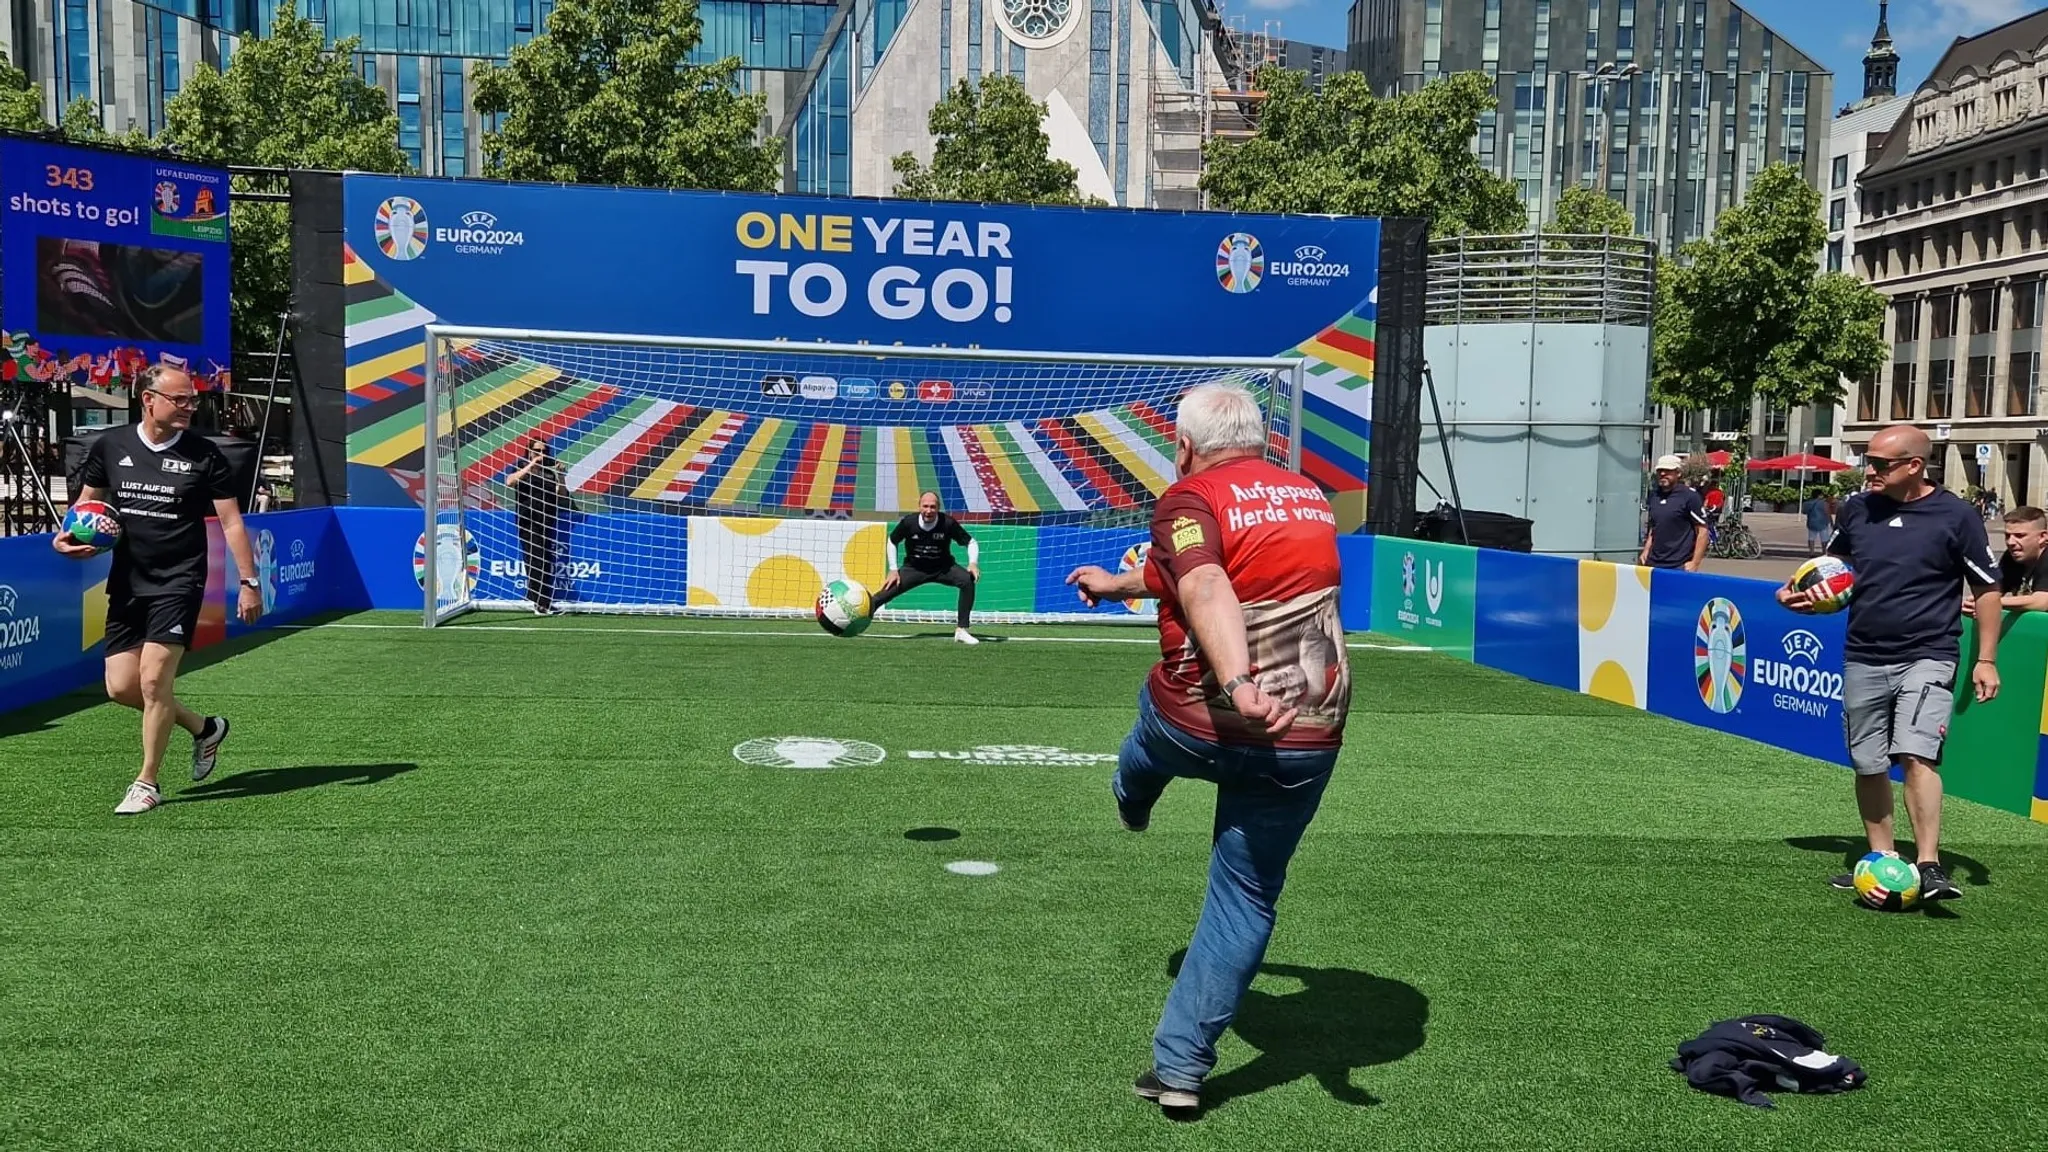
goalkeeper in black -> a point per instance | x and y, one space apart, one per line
928 540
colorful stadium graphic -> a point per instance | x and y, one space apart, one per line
619 444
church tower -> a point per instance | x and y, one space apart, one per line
1881 63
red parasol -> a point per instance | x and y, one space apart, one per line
1802 462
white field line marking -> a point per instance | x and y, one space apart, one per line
820 635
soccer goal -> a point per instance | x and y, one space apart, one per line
737 478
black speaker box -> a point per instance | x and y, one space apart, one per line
1496 530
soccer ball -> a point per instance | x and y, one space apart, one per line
93 522
845 608
1831 581
1884 880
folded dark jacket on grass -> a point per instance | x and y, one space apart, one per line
1746 1056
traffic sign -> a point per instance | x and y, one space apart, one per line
1983 453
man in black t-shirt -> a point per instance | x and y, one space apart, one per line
1678 522
162 482
1912 546
928 540
2024 567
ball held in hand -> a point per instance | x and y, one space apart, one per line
93 523
1830 582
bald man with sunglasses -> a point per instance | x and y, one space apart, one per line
1913 546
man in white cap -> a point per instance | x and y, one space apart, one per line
1678 521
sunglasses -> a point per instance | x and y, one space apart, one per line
1880 465
186 400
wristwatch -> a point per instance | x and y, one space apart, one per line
251 582
1230 688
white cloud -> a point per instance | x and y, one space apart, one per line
1931 25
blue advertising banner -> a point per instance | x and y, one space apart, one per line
845 270
388 547
1725 655
380 543
1354 596
1061 550
301 564
784 433
114 261
43 652
1528 617
53 609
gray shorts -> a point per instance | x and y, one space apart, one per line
1893 710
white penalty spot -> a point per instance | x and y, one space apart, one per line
972 868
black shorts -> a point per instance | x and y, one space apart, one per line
133 621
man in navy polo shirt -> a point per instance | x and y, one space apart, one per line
1678 522
1912 545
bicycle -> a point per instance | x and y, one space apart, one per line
1733 540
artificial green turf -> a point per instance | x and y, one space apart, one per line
504 886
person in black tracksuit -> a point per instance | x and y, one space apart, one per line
928 538
540 495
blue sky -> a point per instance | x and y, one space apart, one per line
1835 32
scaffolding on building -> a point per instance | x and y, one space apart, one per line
1221 103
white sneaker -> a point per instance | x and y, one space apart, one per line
141 798
206 746
963 636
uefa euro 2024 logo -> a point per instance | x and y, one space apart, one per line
1240 262
266 568
1720 655
401 228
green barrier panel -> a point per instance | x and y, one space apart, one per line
1991 749
1009 574
1425 593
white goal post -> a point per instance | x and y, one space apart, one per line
704 476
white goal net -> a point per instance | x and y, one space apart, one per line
572 472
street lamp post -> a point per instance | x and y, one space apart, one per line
1608 74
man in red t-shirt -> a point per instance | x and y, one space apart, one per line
1251 692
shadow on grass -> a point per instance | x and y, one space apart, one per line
984 637
1849 849
38 717
1341 1019
272 781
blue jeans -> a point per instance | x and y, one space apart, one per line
1265 798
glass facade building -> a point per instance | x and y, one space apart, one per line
1671 106
424 54
847 84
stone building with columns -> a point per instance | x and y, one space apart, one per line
1953 229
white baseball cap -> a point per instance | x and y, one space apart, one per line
1670 463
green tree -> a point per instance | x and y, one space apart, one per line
81 123
287 100
21 106
1584 211
607 95
1746 311
989 147
1347 152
